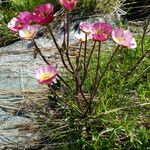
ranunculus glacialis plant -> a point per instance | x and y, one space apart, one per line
27 24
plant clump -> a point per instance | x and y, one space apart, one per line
93 79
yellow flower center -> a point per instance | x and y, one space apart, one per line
45 76
98 31
120 38
43 14
29 34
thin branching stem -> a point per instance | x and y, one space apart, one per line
83 94
101 77
47 62
64 34
97 68
68 28
59 49
77 92
88 62
106 68
85 51
94 89
109 62
39 51
79 88
61 99
78 57
53 37
67 48
64 82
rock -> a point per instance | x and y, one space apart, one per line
137 9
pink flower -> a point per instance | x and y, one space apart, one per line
100 32
43 14
86 27
124 38
68 4
28 32
17 23
46 74
26 17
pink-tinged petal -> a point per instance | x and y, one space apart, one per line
44 14
28 32
133 43
124 38
11 25
26 17
100 32
128 35
118 32
68 4
46 74
86 27
99 38
117 35
15 24
48 81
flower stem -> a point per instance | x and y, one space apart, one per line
87 65
67 48
46 61
94 89
61 99
59 50
101 77
108 64
85 51
64 82
53 37
68 29
78 58
39 51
